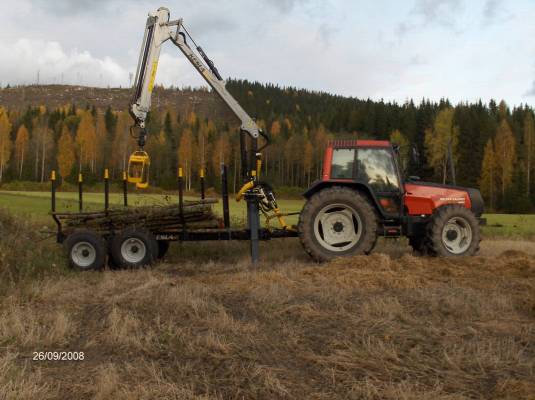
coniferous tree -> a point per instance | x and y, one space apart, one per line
529 148
5 141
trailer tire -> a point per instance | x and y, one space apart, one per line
350 219
111 262
163 248
86 250
134 248
453 232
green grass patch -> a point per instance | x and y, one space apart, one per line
36 206
510 225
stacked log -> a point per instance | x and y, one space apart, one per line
167 219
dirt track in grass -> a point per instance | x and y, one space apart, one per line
387 326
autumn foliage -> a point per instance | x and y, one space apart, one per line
492 145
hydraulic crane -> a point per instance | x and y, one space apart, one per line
259 196
158 30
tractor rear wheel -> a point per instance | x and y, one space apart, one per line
336 222
453 232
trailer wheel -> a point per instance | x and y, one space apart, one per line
86 250
336 222
453 232
134 248
163 248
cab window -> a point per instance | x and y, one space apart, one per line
343 164
376 168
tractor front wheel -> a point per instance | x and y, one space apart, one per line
336 222
453 232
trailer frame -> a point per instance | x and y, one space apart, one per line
252 233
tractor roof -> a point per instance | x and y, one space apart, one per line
352 143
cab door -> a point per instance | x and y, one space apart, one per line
376 168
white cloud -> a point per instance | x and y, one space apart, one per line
177 71
24 59
441 48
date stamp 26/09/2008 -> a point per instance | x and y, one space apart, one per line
58 356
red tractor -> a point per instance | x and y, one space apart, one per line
362 195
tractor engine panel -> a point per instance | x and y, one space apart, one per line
424 198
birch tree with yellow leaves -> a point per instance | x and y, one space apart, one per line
86 142
21 147
66 154
505 148
487 181
438 139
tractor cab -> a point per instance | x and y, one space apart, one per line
138 169
371 164
373 167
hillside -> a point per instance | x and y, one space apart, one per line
493 145
204 103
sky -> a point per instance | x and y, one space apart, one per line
392 50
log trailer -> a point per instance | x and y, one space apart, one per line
361 195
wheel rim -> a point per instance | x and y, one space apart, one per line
83 254
133 250
457 235
338 227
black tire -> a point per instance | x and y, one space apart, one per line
419 245
140 248
111 262
441 243
163 248
357 203
86 250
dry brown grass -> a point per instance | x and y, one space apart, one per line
205 325
23 253
18 383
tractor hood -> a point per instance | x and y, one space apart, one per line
424 197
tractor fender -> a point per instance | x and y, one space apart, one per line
357 186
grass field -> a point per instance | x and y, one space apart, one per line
204 324
36 206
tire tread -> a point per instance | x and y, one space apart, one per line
337 194
434 231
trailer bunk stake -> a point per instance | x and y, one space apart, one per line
224 195
80 192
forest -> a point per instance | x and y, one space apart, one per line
492 144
